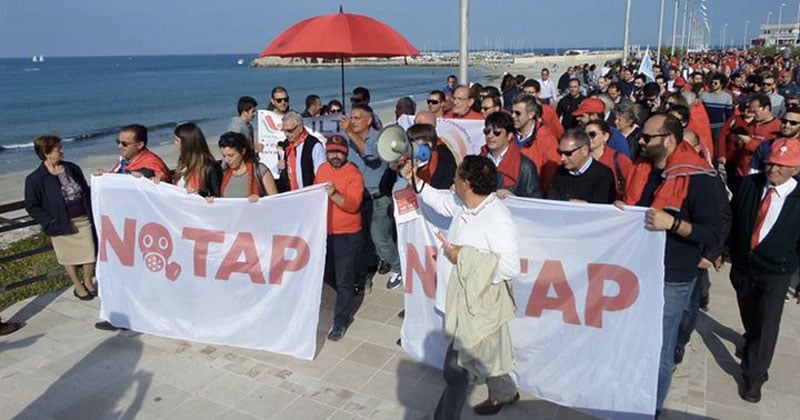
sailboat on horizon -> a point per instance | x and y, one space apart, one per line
37 58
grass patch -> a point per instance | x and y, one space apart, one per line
14 271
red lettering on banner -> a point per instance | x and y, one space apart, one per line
596 302
245 245
426 275
552 274
123 247
279 264
202 238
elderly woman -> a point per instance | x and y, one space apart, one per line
197 169
627 119
57 197
244 175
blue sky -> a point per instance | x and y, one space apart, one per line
117 27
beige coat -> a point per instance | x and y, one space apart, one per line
477 315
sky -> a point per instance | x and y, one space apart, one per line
117 27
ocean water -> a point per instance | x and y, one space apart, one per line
84 100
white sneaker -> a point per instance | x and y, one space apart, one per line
394 281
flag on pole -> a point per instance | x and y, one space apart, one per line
646 68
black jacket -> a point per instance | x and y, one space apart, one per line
777 253
45 203
528 181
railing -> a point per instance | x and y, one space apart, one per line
15 223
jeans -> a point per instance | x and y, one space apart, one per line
676 299
341 263
381 231
502 388
367 255
689 319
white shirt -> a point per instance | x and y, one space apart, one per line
317 156
499 158
775 205
583 168
488 227
548 89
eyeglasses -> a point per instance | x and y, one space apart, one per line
790 122
495 131
568 153
281 100
335 110
768 84
290 130
434 102
356 99
125 144
648 137
517 113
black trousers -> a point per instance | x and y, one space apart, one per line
341 264
761 300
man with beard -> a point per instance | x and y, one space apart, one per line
345 187
790 130
681 190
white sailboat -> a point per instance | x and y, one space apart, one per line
41 58
35 58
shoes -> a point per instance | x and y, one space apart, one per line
679 355
337 332
87 296
9 327
739 353
400 342
383 267
752 391
93 291
394 281
492 406
106 326
401 314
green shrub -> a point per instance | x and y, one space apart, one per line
14 271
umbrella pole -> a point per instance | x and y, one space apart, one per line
341 61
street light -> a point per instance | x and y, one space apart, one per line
723 39
744 44
780 18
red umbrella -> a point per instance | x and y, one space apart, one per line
339 35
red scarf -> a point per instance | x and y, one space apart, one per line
252 186
291 160
681 164
509 166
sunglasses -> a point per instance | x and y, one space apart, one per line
648 137
790 122
290 130
335 110
495 131
568 153
434 102
281 100
356 99
125 144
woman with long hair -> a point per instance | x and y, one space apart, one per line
244 176
57 197
197 170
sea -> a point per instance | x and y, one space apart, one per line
84 100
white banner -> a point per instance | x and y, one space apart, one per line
270 134
229 272
589 303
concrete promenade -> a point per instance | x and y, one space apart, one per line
60 367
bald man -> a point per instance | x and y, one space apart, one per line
425 117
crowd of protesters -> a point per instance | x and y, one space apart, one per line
710 143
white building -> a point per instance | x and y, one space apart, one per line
784 34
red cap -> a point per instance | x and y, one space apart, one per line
679 82
785 153
590 106
336 143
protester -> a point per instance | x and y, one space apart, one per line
303 155
361 96
580 178
482 248
279 100
671 179
549 116
244 176
593 109
405 106
462 105
334 106
197 170
748 138
599 132
376 215
440 170
569 104
452 82
764 240
533 139
790 130
242 124
516 172
134 156
490 104
718 104
313 106
344 185
57 197
770 88
436 103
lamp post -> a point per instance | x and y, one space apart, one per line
675 26
780 18
722 41
627 30
744 43
660 31
463 60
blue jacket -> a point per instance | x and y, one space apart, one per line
45 203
